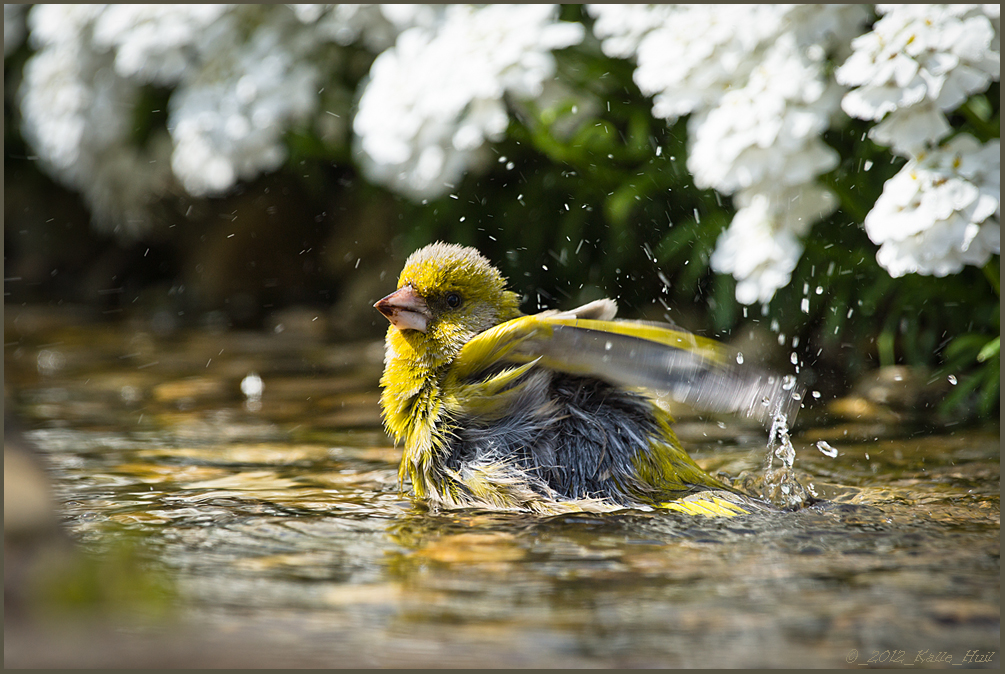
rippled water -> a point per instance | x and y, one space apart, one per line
278 525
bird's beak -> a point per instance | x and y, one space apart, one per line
406 309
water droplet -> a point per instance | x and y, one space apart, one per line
739 359
252 386
130 394
826 449
608 346
794 358
804 306
50 362
952 379
816 395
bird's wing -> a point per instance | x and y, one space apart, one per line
699 372
601 310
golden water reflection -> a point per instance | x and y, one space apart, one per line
285 541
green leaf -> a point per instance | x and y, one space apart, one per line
991 349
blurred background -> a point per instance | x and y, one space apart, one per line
219 165
203 202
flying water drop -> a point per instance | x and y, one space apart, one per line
826 449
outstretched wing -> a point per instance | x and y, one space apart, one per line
699 372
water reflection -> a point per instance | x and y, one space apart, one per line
286 541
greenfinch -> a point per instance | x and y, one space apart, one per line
553 412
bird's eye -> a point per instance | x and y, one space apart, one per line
453 300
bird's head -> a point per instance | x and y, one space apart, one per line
446 295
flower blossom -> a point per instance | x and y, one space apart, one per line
77 116
763 243
155 44
242 76
229 116
436 97
941 211
917 63
753 79
375 26
766 134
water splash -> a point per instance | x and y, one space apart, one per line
780 485
779 435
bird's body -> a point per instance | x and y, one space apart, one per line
497 409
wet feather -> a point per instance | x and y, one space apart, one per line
543 413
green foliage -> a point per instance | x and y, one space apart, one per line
582 202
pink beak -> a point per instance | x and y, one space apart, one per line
406 309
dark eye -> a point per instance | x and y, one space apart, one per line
453 300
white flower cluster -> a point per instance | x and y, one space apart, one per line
242 75
942 211
917 63
436 97
228 119
77 116
376 26
753 79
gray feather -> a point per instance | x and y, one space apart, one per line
709 381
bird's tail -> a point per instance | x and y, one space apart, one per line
717 503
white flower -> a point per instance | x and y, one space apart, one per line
376 26
941 211
768 132
752 78
242 74
77 116
622 27
918 62
763 243
155 43
228 118
436 97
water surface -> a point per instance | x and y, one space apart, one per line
277 527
